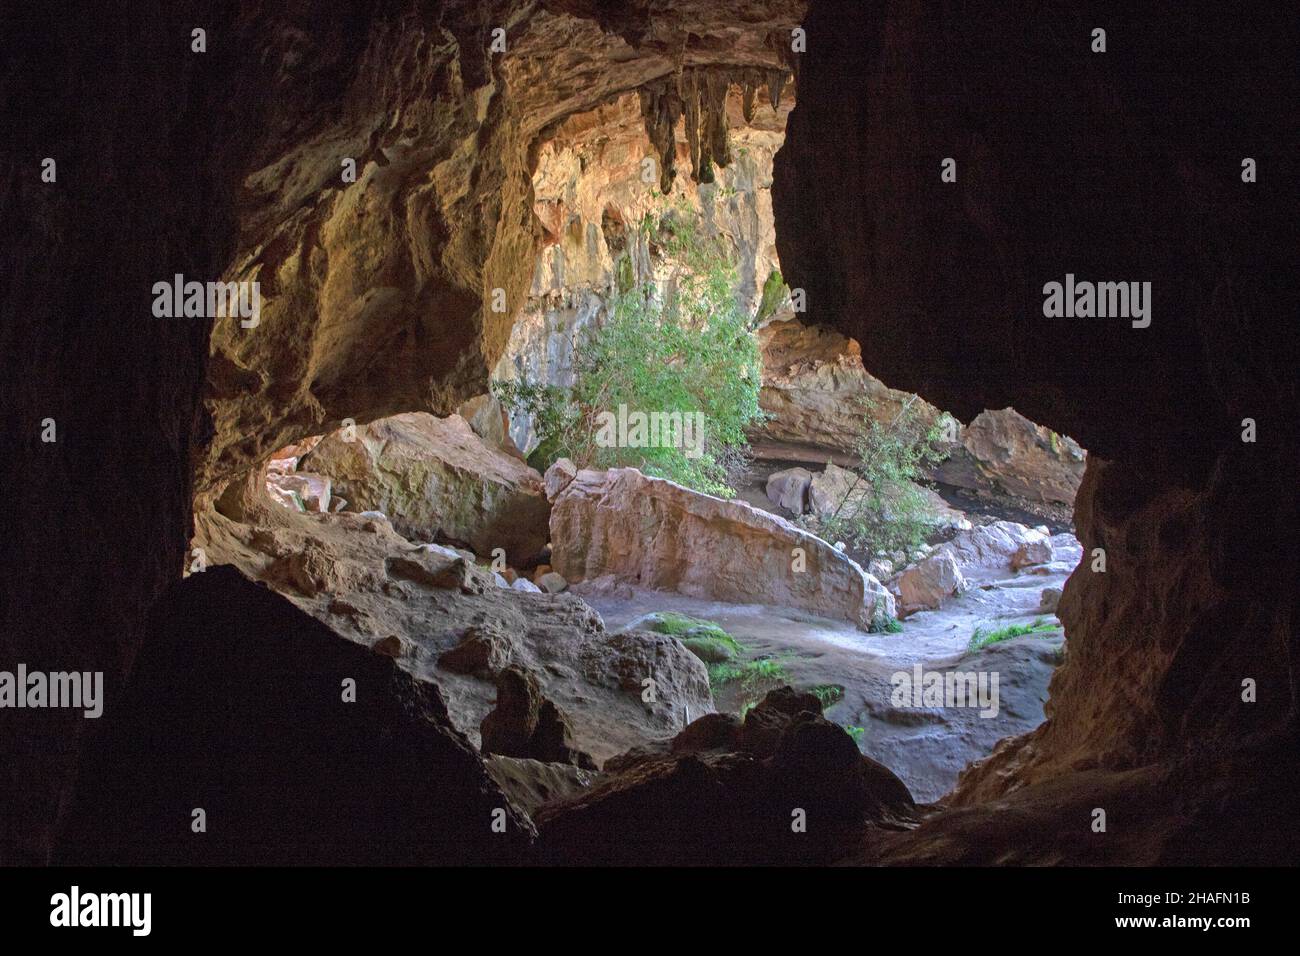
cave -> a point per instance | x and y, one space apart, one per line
432 198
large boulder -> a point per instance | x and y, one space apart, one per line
435 478
788 489
991 550
976 556
816 391
930 581
654 533
787 787
1003 452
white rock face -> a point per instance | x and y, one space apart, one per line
977 556
654 533
788 489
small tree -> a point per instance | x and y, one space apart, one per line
687 350
883 509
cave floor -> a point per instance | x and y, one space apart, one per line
927 746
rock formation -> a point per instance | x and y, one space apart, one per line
975 557
656 534
435 479
599 223
1005 453
525 724
747 788
378 300
941 283
816 390
454 623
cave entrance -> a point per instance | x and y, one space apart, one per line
831 533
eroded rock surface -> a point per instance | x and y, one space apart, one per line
436 479
656 534
1002 452
749 792
452 622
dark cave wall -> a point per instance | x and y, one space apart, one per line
226 164
1112 167
1117 166
97 522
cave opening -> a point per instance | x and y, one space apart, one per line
478 602
944 547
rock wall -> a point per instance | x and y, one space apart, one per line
943 284
591 201
654 533
228 164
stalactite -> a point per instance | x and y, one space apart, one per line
699 97
716 85
775 82
661 109
747 100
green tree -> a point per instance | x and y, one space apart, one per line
687 349
883 509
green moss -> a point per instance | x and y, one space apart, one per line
625 276
751 674
774 293
711 650
984 637
857 733
706 640
886 625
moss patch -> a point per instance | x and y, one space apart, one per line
983 637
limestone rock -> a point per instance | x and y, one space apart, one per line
1037 549
435 478
928 583
458 627
489 421
552 582
1005 452
483 652
990 550
531 784
788 489
881 568
978 556
817 392
558 477
313 491
703 547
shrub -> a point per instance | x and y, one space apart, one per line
688 349
883 509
